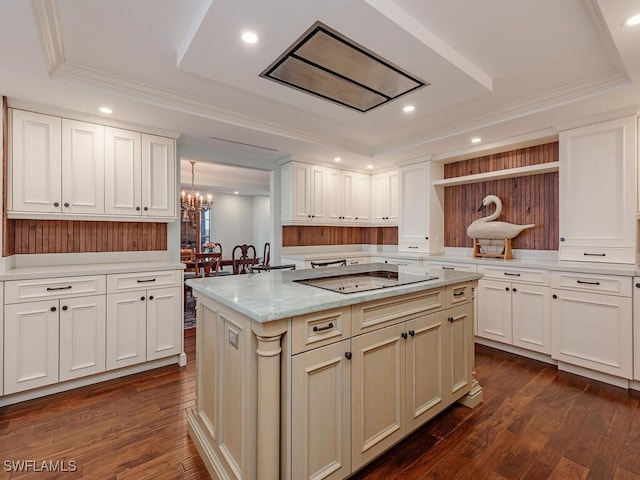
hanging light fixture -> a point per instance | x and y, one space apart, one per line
192 203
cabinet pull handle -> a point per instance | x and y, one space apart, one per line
412 246
53 309
137 209
146 209
142 299
458 294
146 281
594 254
66 204
404 335
320 329
554 296
587 283
450 319
512 274
150 297
56 204
412 333
637 285
448 268
53 289
347 355
65 308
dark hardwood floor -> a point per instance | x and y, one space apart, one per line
535 423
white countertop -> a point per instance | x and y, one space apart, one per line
26 273
548 264
274 295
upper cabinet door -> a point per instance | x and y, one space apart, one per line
158 176
82 167
598 166
35 171
123 171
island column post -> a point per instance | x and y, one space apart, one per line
268 405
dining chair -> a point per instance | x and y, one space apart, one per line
243 256
192 270
334 263
266 256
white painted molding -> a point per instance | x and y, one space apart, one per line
45 13
499 174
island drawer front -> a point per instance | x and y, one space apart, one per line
125 282
17 291
320 328
527 275
387 311
461 267
608 284
458 294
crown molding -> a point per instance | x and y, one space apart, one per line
45 13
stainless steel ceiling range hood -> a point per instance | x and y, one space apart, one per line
324 63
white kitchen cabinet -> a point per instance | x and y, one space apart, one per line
57 165
139 174
303 193
31 333
35 168
144 317
321 408
385 198
421 222
82 167
362 198
54 331
515 312
598 192
348 197
459 352
592 322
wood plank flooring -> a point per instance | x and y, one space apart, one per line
535 423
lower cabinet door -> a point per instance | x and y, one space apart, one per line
459 352
494 310
425 368
377 392
82 336
531 306
126 328
593 331
31 345
321 408
164 322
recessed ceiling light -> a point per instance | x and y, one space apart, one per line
337 159
249 37
106 110
476 140
631 21
236 192
408 108
369 166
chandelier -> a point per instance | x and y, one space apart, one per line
192 203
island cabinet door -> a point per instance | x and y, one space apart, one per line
321 400
377 392
459 351
425 368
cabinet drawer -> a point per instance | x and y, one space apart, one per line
136 281
598 254
319 329
458 294
528 275
387 311
610 284
17 291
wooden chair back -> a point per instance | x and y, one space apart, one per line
188 257
213 260
243 256
266 256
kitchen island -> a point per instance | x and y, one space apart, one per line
296 381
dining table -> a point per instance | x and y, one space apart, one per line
207 261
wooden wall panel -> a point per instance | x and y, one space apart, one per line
530 199
68 236
313 235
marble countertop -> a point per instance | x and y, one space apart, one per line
275 295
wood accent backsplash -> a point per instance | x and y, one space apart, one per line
312 235
68 236
529 199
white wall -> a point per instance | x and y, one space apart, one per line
238 219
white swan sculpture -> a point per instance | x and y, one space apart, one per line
486 228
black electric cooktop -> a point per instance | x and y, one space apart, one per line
365 281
